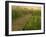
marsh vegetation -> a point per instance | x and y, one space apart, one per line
26 18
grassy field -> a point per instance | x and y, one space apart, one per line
26 18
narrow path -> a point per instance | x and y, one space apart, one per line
19 23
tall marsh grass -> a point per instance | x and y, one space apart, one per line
34 22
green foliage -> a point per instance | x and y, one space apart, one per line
37 13
33 24
19 12
35 20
